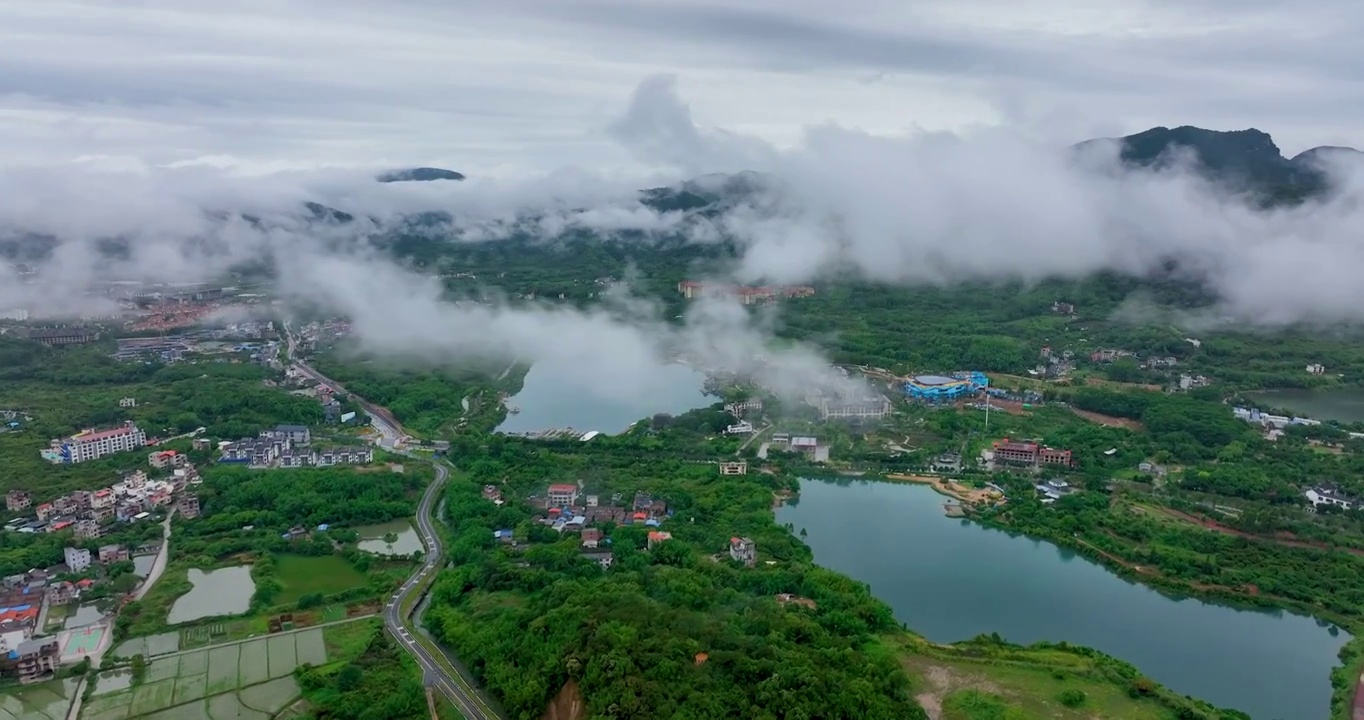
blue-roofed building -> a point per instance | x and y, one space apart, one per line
944 388
503 535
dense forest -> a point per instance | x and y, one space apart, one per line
671 627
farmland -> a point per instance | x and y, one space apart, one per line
250 679
325 574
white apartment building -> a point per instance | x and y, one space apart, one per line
91 444
78 559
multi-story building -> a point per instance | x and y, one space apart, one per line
189 506
165 458
1327 495
869 407
736 467
78 559
18 500
296 434
1027 453
743 550
112 553
45 511
562 494
88 529
33 660
102 499
91 444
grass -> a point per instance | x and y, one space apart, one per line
325 574
1026 686
348 640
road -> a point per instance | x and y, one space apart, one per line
434 674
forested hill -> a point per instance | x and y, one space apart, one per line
1242 160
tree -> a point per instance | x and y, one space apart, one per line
1072 697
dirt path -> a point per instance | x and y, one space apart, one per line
1288 541
1107 420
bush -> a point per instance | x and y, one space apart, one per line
1072 698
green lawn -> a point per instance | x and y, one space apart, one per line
326 574
965 690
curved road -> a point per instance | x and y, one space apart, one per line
434 673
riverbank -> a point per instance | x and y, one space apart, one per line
1268 664
1347 678
955 490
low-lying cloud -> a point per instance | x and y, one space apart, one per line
917 208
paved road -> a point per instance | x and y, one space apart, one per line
434 674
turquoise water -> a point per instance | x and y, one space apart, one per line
951 579
555 398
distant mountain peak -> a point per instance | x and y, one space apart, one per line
420 174
1245 161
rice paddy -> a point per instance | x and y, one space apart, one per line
251 679
44 701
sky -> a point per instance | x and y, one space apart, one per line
504 88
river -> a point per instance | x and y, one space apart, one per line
1342 404
555 397
950 580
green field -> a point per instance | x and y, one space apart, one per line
251 679
44 701
965 689
326 574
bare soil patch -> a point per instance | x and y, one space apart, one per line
1108 420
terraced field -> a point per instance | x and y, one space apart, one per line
242 681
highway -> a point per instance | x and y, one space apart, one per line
459 690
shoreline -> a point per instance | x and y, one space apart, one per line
966 495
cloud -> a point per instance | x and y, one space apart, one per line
995 203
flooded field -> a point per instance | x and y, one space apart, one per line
225 591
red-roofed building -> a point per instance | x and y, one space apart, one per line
658 536
1026 453
562 494
591 537
92 444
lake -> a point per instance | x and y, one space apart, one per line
225 591
372 538
558 397
950 580
1342 405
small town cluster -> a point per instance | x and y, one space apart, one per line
289 446
87 513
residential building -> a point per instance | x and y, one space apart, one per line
492 494
127 402
1326 495
165 458
62 336
78 559
562 494
737 467
852 405
88 529
45 511
743 427
91 444
33 660
189 506
102 499
657 537
743 550
1316 369
296 434
12 633
60 593
1028 453
591 537
504 536
1151 468
740 409
201 443
18 500
112 553
1063 308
